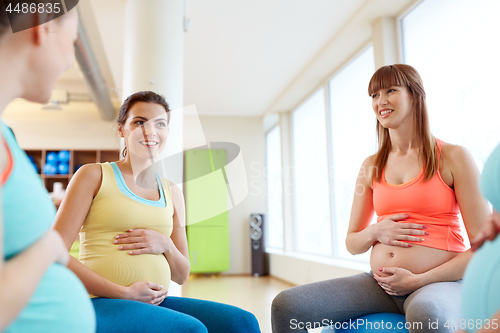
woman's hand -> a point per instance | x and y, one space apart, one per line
146 292
390 232
489 231
142 241
400 282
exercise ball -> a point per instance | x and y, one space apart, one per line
481 286
52 158
63 156
372 323
32 160
63 168
490 179
49 169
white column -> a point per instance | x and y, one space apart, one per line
385 41
287 167
153 60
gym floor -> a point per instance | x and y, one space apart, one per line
254 294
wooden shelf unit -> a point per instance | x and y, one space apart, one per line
76 159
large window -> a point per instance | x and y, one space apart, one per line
353 139
274 190
310 172
453 44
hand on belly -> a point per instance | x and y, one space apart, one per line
401 266
398 282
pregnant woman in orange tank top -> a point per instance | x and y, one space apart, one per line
417 185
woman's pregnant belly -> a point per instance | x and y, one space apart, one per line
125 269
417 259
60 304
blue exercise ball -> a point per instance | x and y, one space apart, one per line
52 158
63 156
63 168
481 286
32 160
372 323
49 169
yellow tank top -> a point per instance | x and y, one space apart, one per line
114 210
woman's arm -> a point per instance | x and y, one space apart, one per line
490 231
362 235
178 255
69 219
20 275
473 206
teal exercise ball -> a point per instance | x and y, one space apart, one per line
481 286
489 182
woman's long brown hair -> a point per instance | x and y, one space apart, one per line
406 76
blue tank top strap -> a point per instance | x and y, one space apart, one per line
122 186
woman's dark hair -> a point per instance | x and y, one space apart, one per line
141 96
4 19
28 19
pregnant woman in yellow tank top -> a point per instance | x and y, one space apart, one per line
133 239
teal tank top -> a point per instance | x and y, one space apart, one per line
490 179
60 302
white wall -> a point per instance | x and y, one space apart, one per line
76 126
248 133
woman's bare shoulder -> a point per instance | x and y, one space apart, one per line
366 171
453 154
368 164
369 161
89 175
91 171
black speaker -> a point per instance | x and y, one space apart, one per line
260 259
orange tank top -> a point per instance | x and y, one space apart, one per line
431 203
4 175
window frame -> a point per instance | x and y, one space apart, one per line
292 159
266 227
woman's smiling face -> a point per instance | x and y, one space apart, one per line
145 130
392 105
